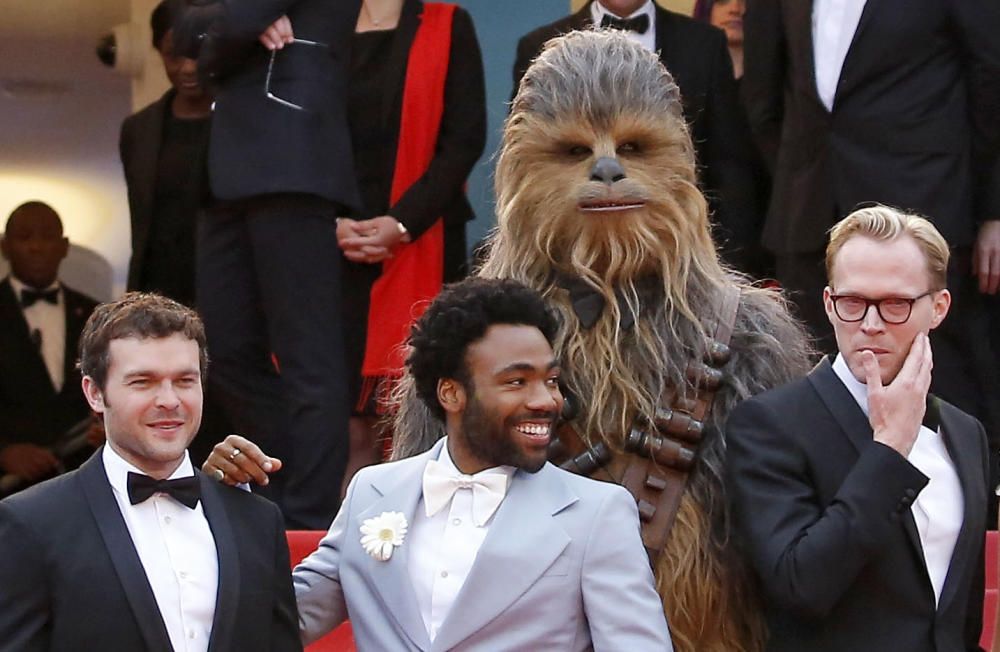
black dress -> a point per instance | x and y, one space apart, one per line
375 103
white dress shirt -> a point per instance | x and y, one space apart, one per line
939 507
49 319
443 548
647 40
177 551
833 25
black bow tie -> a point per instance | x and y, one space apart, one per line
186 491
30 297
932 414
639 24
588 303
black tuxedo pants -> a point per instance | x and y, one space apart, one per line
268 282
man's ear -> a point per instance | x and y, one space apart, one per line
942 303
95 397
828 304
451 395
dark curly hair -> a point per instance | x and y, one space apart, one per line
460 316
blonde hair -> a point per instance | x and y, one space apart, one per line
886 223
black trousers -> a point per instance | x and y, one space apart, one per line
268 282
966 345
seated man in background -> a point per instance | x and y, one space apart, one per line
42 409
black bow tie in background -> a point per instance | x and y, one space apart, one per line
184 490
30 297
588 304
639 24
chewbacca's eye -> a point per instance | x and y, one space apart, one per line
630 147
579 151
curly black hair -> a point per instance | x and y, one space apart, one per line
460 316
160 22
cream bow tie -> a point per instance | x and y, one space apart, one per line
440 485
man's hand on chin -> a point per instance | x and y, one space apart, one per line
896 410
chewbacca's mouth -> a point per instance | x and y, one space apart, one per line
610 206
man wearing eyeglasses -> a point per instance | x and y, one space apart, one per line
859 497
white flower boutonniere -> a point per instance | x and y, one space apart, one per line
382 534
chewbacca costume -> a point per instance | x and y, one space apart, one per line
599 210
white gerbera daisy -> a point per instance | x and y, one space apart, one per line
381 534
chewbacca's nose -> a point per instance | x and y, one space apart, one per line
607 169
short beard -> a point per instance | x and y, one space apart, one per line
489 442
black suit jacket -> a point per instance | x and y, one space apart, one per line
697 57
915 121
139 147
440 191
72 579
823 512
30 408
259 146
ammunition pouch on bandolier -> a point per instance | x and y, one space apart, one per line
657 457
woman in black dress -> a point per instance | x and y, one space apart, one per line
416 74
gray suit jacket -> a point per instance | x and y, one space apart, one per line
562 568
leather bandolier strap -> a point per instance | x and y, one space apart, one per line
658 457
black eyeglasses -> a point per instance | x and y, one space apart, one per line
270 68
892 310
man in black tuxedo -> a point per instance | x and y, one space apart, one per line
865 525
268 272
696 55
891 101
136 550
40 324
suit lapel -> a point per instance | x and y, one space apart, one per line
76 316
31 365
145 159
855 426
871 7
524 536
228 595
968 465
799 16
391 579
122 552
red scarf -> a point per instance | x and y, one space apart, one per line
413 276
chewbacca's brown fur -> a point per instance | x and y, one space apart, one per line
597 94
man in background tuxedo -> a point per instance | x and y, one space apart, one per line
40 323
696 55
268 273
891 101
136 550
865 525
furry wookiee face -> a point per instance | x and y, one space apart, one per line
597 168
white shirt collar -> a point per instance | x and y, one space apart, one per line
444 457
19 286
117 469
598 12
858 389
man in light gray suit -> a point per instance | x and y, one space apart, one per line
479 543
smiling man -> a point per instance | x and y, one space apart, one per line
860 497
479 543
135 550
